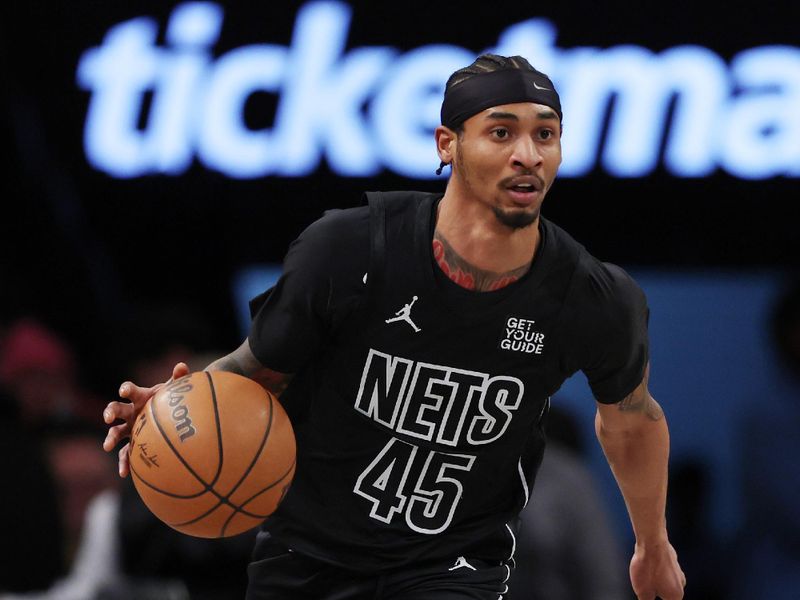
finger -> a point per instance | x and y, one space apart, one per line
134 393
179 370
118 410
124 460
115 434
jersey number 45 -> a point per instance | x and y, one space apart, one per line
429 504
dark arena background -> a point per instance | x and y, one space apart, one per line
161 156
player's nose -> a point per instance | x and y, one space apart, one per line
526 153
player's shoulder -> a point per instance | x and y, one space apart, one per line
595 284
400 199
336 244
397 206
338 222
606 284
354 222
338 233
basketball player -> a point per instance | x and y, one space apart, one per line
425 334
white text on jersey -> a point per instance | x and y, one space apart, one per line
437 403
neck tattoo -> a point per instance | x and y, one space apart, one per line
467 275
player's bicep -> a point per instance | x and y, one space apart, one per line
243 362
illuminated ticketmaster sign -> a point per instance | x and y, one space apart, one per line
372 108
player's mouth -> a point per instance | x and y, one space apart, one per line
524 189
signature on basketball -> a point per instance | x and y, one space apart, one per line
147 458
180 411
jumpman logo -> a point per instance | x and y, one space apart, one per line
461 562
404 314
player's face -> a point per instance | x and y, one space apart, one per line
507 158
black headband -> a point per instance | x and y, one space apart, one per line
507 86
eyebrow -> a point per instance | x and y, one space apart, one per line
502 115
547 114
497 115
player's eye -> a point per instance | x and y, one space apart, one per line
500 133
546 134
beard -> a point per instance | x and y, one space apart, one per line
516 219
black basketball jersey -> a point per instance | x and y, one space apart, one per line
419 406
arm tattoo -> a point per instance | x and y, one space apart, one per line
469 276
641 401
242 362
227 363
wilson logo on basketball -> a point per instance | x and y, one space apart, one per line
180 412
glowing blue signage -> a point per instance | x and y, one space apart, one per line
372 108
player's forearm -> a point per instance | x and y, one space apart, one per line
232 364
242 362
638 457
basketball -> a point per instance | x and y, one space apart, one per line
212 454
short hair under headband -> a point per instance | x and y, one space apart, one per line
493 88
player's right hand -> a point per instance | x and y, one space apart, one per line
128 411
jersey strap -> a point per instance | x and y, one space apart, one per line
377 223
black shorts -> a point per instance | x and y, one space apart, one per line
288 575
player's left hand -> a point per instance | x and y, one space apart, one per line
655 572
127 412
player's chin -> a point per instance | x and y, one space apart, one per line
517 217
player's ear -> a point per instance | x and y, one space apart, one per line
445 143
